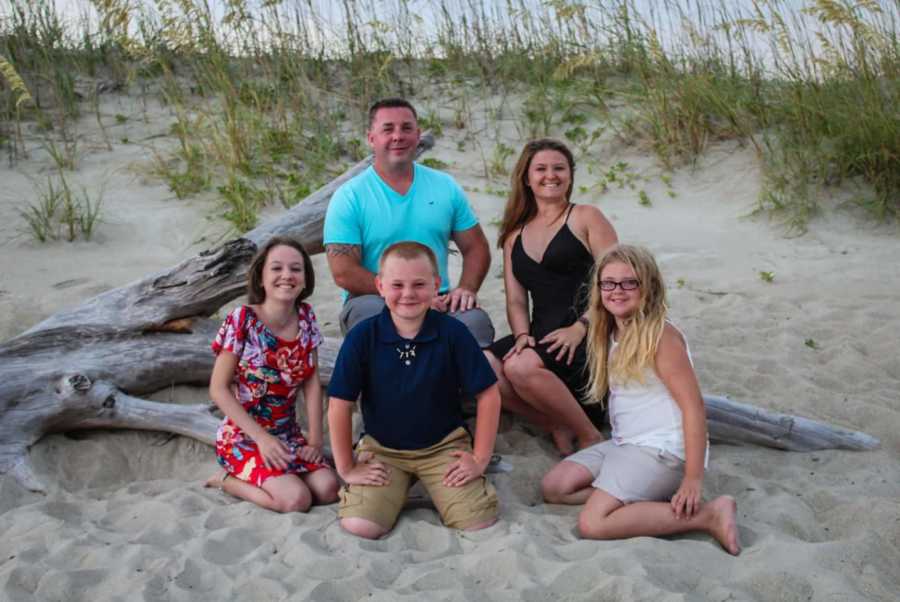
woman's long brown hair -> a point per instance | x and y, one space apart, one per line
521 206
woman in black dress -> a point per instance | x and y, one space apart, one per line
549 247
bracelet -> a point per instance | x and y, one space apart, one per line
521 334
585 322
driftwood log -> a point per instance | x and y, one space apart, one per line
85 367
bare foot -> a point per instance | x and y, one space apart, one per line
562 439
217 481
724 523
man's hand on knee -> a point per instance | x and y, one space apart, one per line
461 299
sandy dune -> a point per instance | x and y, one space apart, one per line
126 517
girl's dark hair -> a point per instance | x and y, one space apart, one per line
520 205
255 292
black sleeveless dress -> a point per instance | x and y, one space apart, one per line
557 286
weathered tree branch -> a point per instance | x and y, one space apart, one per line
730 421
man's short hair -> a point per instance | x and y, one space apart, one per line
390 103
409 249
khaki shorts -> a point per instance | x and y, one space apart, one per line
459 507
632 473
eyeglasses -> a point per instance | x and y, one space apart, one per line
629 284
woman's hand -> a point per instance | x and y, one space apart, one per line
565 341
465 469
523 341
686 501
274 452
312 453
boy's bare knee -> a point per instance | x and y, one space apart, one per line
482 525
362 527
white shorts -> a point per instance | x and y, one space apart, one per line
632 473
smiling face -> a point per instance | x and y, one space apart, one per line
620 303
283 276
408 286
393 137
549 176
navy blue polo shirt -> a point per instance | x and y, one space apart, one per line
411 388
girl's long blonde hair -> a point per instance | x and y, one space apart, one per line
639 340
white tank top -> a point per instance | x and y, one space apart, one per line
646 414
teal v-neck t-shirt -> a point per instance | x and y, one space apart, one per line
366 211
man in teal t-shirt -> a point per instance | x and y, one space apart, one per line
398 199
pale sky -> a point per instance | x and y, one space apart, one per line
327 17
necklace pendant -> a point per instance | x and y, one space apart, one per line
406 353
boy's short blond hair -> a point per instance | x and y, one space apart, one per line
409 249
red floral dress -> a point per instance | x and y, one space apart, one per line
268 374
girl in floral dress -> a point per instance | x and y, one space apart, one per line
265 352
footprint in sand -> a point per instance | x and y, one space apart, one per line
198 578
64 284
355 588
230 546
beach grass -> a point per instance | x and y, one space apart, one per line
268 100
61 212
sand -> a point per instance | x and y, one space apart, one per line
125 516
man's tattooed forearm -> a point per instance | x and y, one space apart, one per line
334 250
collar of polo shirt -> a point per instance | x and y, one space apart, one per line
387 332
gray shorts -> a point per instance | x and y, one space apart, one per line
632 473
359 308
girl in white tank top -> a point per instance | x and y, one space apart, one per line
646 413
648 479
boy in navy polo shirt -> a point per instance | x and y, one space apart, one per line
411 365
